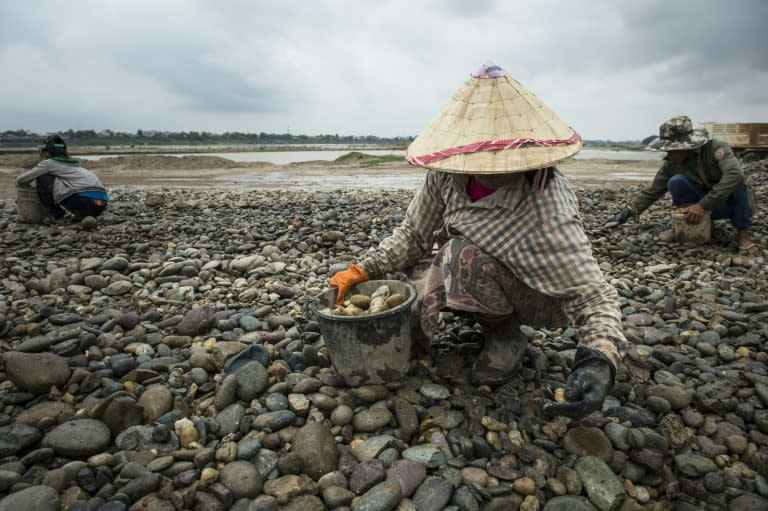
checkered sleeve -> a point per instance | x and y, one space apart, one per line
415 236
556 259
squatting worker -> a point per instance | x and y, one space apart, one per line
63 185
510 245
702 175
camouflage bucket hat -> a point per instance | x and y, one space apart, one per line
677 134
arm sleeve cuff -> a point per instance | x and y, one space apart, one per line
707 203
586 355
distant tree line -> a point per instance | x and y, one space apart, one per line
26 138
23 138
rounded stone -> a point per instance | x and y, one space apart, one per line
79 438
37 372
39 498
242 479
368 421
588 441
156 401
316 448
342 415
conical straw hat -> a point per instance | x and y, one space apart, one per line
493 125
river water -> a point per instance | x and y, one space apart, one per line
286 157
318 178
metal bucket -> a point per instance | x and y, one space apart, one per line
695 233
29 209
369 349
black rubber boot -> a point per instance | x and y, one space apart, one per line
502 353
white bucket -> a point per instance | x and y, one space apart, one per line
29 209
695 233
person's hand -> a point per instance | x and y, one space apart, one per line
620 217
694 213
345 279
585 389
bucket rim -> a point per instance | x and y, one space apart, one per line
349 319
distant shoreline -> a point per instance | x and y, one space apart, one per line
359 171
194 149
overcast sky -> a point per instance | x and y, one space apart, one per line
611 69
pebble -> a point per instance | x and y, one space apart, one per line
433 494
409 474
242 479
39 498
36 372
384 496
180 369
585 441
315 446
15 438
366 475
603 487
369 421
78 438
694 465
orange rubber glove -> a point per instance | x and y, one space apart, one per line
354 274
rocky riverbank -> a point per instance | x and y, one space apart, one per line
166 358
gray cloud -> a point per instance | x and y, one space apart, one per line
611 69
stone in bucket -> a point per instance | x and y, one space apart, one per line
370 348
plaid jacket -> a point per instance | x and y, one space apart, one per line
539 237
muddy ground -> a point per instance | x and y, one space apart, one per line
142 171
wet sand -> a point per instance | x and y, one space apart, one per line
202 172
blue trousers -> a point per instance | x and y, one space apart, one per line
735 208
79 206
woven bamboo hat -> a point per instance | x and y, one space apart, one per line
493 125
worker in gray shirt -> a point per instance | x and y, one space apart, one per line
63 185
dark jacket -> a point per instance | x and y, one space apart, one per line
715 169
